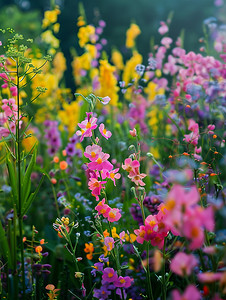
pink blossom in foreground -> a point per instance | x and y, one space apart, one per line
95 186
208 277
191 292
87 126
114 215
105 133
111 174
92 152
136 177
109 275
102 208
182 264
101 162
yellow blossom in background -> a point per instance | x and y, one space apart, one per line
117 59
56 27
76 68
91 49
152 90
49 38
155 152
129 72
28 143
48 81
86 34
50 17
59 64
108 82
131 35
81 21
154 117
69 116
42 114
130 238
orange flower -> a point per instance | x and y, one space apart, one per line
38 249
89 249
63 165
56 159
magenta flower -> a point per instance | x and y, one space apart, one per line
209 277
191 292
109 243
140 233
87 126
112 174
182 264
109 275
92 152
105 133
166 41
102 208
95 186
101 163
136 177
124 282
114 215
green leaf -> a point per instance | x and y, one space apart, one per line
26 181
4 246
12 179
32 197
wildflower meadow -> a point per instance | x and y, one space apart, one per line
114 190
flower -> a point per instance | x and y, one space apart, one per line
87 126
109 275
191 292
182 264
124 282
105 133
109 243
114 215
89 249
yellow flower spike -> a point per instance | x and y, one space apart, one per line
117 59
113 232
131 35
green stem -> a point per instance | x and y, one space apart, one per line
150 292
20 217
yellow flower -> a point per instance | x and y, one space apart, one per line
81 21
91 49
56 27
28 143
49 38
131 35
50 17
117 59
59 63
69 116
108 82
152 90
86 34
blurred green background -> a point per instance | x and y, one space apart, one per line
188 15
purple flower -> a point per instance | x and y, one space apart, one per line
109 275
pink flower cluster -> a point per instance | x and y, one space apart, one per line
112 214
9 114
185 217
154 230
133 168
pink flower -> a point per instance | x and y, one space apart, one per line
95 186
124 282
182 264
101 163
114 215
87 126
109 275
112 174
140 233
166 41
105 133
163 28
102 208
122 236
209 277
136 177
105 100
92 152
130 165
109 243
191 292
133 132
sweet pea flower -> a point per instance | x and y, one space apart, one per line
105 133
92 152
124 282
112 175
102 208
95 186
166 41
182 264
105 100
130 165
101 163
208 277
